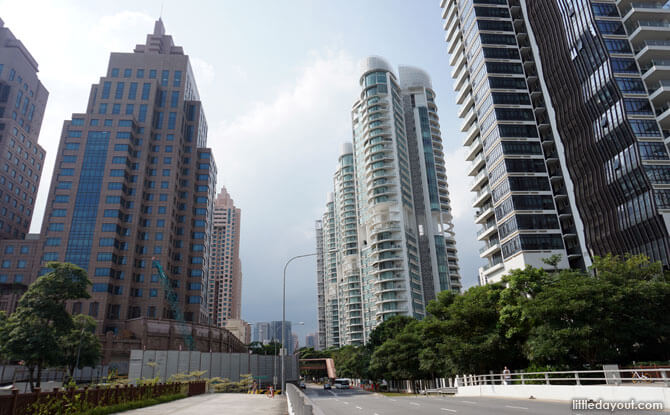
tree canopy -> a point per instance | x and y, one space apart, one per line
39 332
618 311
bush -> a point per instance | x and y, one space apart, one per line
134 405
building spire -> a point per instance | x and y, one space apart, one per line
159 28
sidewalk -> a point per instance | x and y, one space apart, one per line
217 404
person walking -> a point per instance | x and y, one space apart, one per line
271 392
507 377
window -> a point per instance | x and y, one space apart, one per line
491 12
604 9
118 94
174 99
653 151
507 83
102 109
6 263
645 128
164 77
177 79
127 73
106 87
25 249
617 45
624 65
146 88
72 146
58 213
631 85
152 73
9 249
115 72
637 106
52 242
608 27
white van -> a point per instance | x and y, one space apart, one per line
342 383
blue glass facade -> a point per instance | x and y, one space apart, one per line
87 200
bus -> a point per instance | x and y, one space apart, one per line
342 383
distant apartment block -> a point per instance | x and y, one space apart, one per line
225 283
240 328
386 240
566 151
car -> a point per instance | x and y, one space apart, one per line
302 385
326 385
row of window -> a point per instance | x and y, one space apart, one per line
139 73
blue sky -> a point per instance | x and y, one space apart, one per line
277 80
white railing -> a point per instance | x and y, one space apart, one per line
658 377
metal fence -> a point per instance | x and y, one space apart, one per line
149 364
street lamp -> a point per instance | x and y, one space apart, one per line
283 322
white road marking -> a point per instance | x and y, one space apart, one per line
346 403
358 407
414 403
393 400
447 409
515 407
475 403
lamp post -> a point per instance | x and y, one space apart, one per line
283 322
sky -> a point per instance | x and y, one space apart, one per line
277 80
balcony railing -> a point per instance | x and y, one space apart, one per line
651 42
660 84
645 5
655 62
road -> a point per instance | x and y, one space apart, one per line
357 402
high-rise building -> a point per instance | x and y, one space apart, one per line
320 287
23 99
261 332
387 237
567 155
134 181
312 340
225 282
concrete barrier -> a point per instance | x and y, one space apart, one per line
299 403
641 393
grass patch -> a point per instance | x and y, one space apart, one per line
105 410
397 394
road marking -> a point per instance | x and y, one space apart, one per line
393 400
475 403
447 409
358 407
345 402
414 403
515 407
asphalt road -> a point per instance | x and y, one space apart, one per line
357 402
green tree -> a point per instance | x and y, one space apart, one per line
619 314
81 347
32 334
398 357
352 361
472 339
387 330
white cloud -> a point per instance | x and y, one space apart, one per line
459 183
277 161
203 71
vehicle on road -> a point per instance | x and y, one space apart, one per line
302 385
342 383
326 385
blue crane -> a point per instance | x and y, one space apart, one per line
174 305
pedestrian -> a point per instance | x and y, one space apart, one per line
271 392
254 388
507 377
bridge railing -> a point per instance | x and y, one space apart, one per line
655 376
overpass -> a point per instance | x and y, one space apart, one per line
322 364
